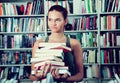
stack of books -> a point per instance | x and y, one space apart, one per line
52 53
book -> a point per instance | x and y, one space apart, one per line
48 55
48 45
117 77
53 63
49 52
54 58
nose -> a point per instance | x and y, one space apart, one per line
53 23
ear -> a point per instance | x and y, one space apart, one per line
66 21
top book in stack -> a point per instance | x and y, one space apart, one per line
47 45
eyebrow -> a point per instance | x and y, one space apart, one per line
55 19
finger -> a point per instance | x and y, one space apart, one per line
52 72
43 70
48 68
38 74
56 73
64 76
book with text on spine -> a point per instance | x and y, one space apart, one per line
49 52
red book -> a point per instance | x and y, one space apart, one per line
105 56
109 22
1 9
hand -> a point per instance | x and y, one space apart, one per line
42 71
57 76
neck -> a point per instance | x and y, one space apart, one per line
57 35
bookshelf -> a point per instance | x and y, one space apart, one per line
89 23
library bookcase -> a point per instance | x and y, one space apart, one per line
95 23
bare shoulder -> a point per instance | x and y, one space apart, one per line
74 42
75 45
39 41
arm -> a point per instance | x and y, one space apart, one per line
45 68
76 47
33 77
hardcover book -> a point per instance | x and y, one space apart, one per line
62 46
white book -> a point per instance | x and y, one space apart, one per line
118 6
47 44
118 42
61 67
48 51
77 7
33 60
61 71
55 46
117 78
53 63
48 54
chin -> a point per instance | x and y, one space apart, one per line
54 31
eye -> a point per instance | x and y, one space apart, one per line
58 20
49 19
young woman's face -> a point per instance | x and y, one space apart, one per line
56 21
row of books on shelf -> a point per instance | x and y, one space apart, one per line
21 24
89 39
91 56
89 6
14 74
19 41
109 5
85 6
27 40
110 56
109 39
37 7
92 71
105 72
75 7
37 24
109 72
12 58
17 73
83 23
110 22
106 56
25 8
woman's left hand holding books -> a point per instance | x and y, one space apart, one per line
57 76
41 72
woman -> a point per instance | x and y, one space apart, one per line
57 19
